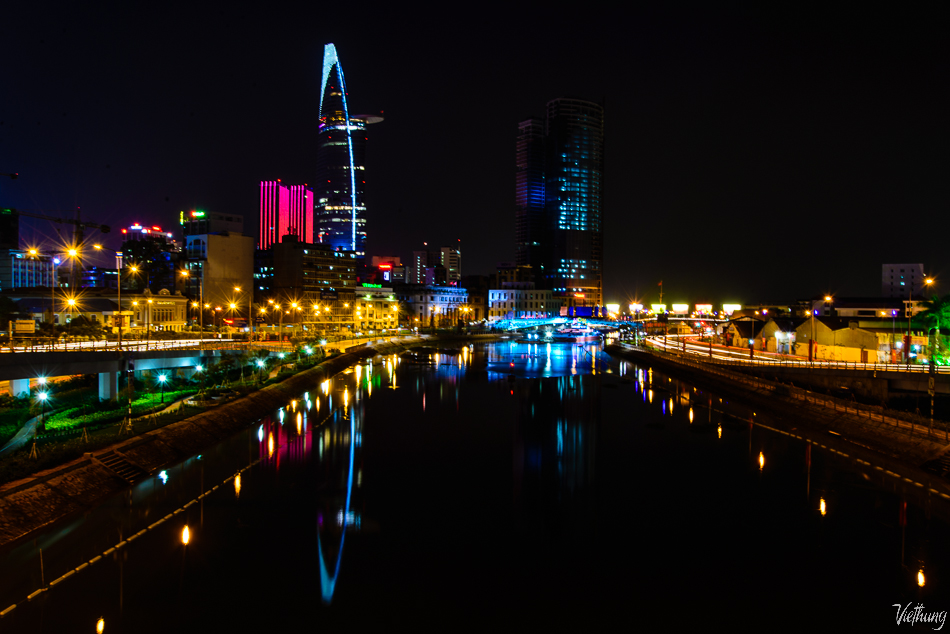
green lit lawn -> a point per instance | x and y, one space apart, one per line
73 417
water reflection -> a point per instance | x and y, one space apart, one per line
555 443
535 360
344 516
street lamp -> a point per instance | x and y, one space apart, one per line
250 313
199 304
148 322
35 253
99 247
42 396
161 379
910 311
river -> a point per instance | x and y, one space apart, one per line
506 484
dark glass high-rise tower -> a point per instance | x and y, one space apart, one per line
559 200
529 193
340 210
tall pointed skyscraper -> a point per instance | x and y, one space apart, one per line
559 200
340 210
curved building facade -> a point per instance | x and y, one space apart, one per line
340 209
559 200
574 190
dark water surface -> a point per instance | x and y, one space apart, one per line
512 484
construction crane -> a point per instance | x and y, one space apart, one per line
78 226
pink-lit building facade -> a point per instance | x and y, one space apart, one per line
285 209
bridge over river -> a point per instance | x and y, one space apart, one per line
22 368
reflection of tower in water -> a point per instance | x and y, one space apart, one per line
555 443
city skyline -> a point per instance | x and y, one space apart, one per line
751 157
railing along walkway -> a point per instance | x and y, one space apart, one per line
906 423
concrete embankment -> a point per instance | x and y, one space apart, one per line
29 504
895 440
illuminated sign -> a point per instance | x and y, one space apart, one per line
365 285
731 308
636 308
613 308
578 294
197 214
680 309
704 309
658 308
385 267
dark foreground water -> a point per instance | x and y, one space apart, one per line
511 485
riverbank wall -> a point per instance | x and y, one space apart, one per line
29 504
904 439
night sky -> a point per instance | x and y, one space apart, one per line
750 156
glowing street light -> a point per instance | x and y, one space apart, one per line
161 379
41 396
100 625
921 579
185 535
99 247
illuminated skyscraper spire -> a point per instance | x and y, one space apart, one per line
340 184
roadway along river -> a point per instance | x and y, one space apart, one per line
510 484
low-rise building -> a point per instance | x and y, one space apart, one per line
427 305
521 300
837 338
375 309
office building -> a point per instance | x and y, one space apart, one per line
521 300
308 271
319 280
436 267
375 309
20 269
197 222
529 193
218 263
285 210
429 305
564 243
341 164
451 261
902 280
155 253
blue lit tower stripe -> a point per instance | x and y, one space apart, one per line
330 60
